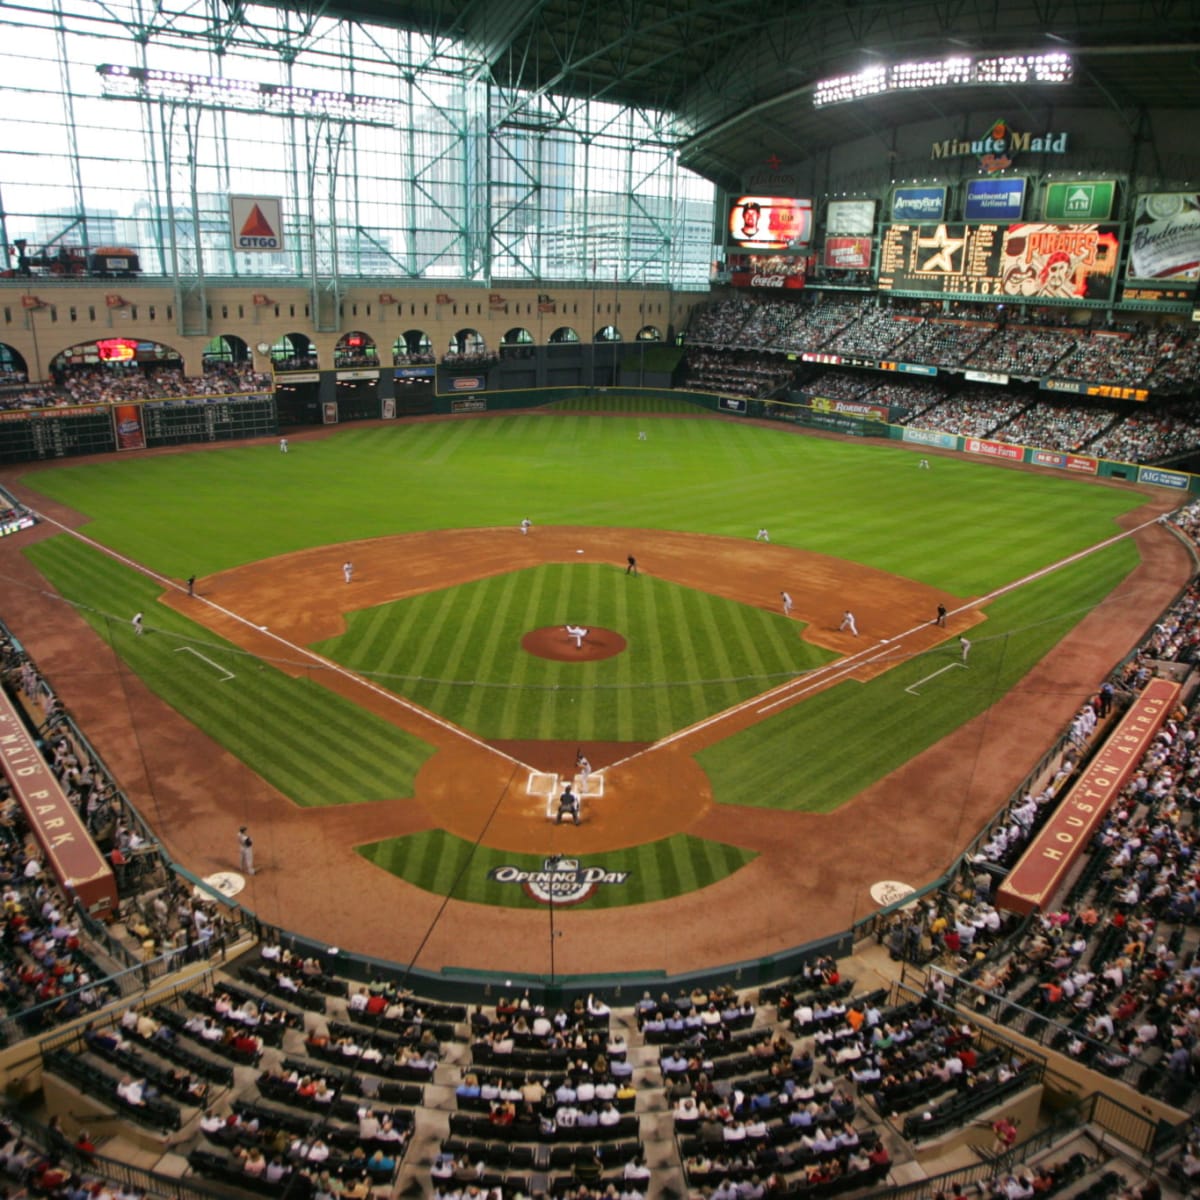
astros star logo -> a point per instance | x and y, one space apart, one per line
945 245
774 162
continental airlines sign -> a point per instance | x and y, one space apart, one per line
997 149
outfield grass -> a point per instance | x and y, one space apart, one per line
437 861
965 526
262 715
458 653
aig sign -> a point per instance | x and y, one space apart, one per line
256 223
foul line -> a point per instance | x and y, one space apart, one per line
215 666
941 671
311 655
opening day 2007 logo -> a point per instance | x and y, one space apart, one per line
560 881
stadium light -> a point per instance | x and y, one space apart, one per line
211 91
956 71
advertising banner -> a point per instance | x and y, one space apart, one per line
77 864
777 271
1161 478
732 404
127 422
985 377
994 200
1029 260
256 224
1042 870
853 217
387 410
329 412
930 437
1165 239
1083 200
854 408
847 254
475 404
993 449
918 204
414 372
770 223
1066 462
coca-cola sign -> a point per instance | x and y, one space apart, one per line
769 271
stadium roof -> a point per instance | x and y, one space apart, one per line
740 73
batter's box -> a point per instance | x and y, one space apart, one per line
593 786
541 784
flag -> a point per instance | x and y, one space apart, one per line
32 302
443 298
112 300
386 298
547 306
495 300
261 300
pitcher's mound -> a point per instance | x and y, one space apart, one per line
555 643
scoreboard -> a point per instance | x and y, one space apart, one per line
1023 261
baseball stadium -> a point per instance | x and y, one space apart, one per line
598 602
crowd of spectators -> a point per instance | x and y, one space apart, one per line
973 412
355 358
739 373
470 358
1151 434
418 358
1028 351
1056 426
115 384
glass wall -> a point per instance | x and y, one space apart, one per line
130 123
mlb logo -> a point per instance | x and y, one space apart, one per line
561 864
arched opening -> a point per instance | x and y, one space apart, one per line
608 333
355 349
297 383
226 349
111 370
649 333
563 336
517 343
413 348
13 368
468 348
356 381
294 352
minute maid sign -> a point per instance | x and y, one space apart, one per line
560 881
1000 145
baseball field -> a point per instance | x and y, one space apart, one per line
404 735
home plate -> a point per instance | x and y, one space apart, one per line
578 551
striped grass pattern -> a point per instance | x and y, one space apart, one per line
447 865
262 715
458 652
